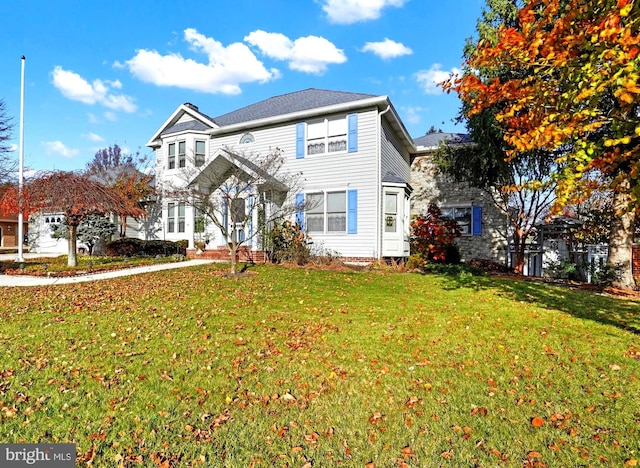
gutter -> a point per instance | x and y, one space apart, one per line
379 182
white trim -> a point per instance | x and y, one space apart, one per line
177 114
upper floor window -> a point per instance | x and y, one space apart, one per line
247 138
327 136
199 153
182 155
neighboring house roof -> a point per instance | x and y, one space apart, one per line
431 141
288 104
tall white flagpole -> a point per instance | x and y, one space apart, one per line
20 257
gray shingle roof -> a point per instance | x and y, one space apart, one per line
186 126
288 103
432 140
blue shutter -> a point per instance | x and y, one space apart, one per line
300 140
352 212
353 133
299 210
225 220
251 201
477 220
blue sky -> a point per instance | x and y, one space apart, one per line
99 73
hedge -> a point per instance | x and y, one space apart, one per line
131 247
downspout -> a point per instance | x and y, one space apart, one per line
379 180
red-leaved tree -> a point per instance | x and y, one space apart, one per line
75 195
433 235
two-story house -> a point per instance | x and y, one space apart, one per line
352 149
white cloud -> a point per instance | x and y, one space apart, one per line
309 54
13 147
92 137
412 114
430 78
352 11
76 88
59 148
387 49
111 116
226 69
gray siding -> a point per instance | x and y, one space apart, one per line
395 160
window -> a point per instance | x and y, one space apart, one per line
200 153
327 136
182 156
461 215
328 210
390 212
171 217
246 139
53 219
336 212
174 221
171 160
181 220
315 212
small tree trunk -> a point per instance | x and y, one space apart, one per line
123 226
518 250
72 260
233 249
621 242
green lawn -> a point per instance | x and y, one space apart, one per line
290 367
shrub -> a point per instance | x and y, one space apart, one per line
490 266
131 247
416 262
433 236
289 243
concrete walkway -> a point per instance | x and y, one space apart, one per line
26 280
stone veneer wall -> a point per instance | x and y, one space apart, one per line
430 187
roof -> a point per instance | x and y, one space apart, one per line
297 105
185 126
289 103
433 140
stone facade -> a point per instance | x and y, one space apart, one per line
429 187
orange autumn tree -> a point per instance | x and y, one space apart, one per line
123 173
579 97
75 195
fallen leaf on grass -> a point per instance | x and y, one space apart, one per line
537 421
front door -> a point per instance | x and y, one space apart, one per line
393 223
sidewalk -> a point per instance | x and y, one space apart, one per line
26 280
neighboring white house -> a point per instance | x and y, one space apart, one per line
352 149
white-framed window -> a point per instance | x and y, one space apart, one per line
390 212
463 215
53 219
246 139
176 217
182 156
327 135
200 152
327 212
